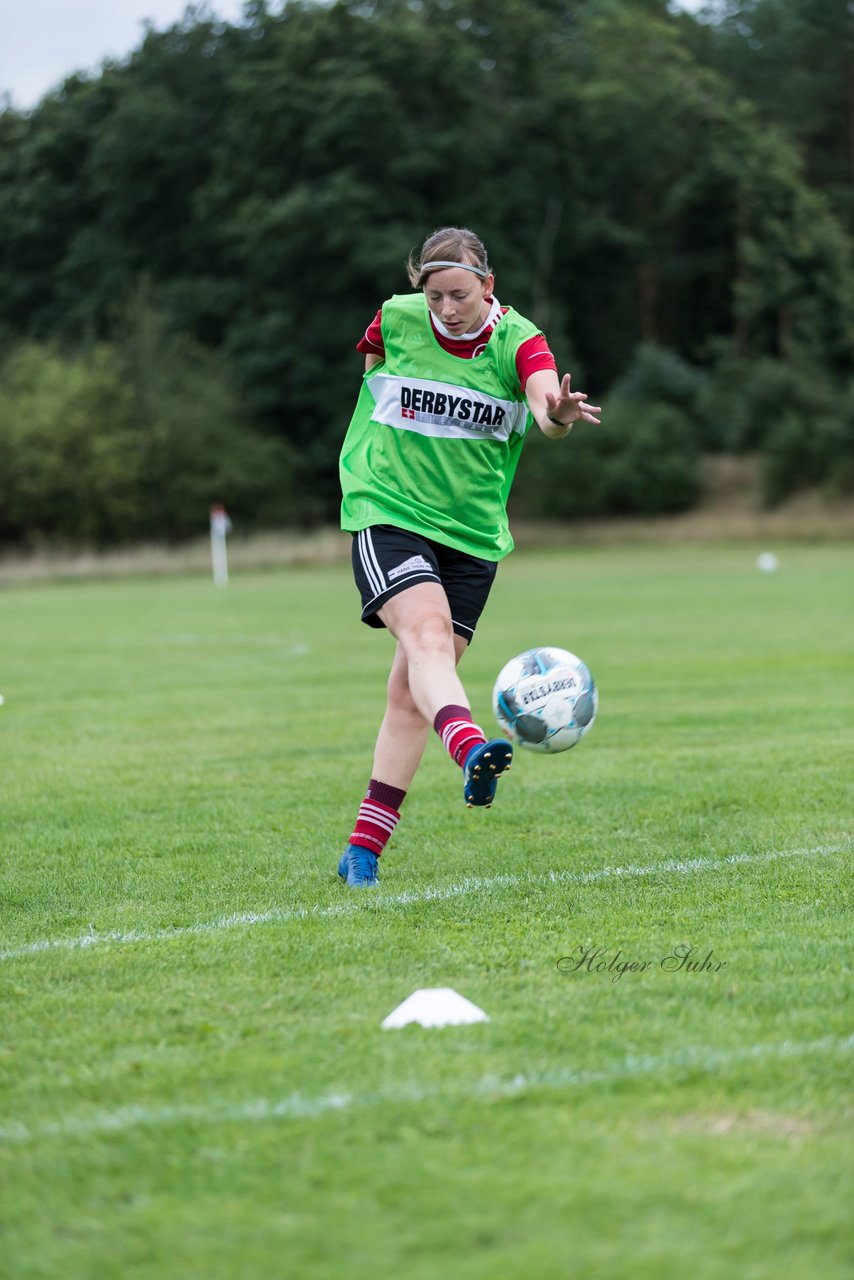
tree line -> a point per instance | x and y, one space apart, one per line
192 241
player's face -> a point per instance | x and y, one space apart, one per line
458 298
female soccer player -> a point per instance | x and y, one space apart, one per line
452 381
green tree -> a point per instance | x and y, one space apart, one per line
72 456
794 276
134 439
269 178
795 60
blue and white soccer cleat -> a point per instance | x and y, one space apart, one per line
483 768
358 867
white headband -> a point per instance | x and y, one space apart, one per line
466 266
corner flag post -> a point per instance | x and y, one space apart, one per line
220 528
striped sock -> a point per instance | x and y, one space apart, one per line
379 814
458 732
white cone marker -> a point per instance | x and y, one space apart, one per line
435 1007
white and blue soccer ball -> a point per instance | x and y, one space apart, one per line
545 699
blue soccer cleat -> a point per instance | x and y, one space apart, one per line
483 768
358 867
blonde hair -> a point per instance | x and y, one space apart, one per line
447 245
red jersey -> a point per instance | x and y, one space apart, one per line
533 354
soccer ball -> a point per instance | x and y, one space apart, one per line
545 699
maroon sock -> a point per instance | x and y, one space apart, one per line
458 732
379 814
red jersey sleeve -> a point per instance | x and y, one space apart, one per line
533 355
372 343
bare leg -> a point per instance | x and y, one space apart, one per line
420 621
422 680
404 731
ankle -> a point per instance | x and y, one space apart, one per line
459 734
379 814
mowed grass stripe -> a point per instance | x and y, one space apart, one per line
442 893
297 1106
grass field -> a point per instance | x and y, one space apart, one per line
195 1082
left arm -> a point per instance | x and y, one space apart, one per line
555 406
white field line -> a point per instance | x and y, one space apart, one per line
297 1106
377 900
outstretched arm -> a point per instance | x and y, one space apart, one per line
555 405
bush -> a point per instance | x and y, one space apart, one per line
795 415
133 440
643 460
658 375
743 401
72 457
805 451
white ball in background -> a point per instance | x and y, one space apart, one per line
767 562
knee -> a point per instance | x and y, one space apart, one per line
432 633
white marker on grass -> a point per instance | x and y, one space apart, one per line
220 528
435 1007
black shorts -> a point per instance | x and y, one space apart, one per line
387 560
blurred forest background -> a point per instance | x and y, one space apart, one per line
193 240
